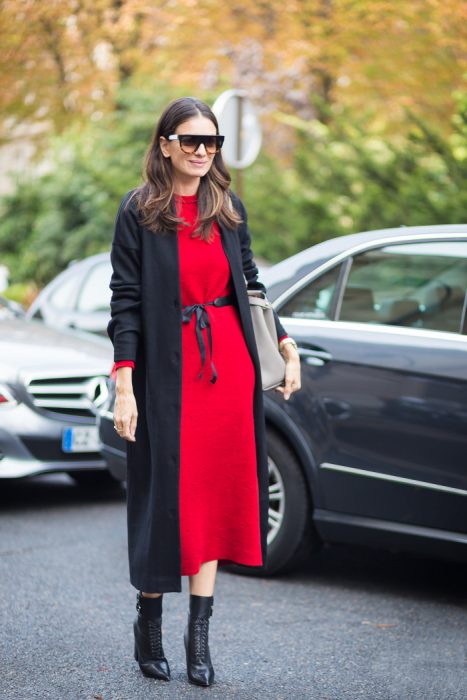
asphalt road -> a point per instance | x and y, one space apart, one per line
354 623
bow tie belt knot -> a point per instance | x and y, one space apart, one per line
202 322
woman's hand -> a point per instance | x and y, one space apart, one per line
292 371
125 410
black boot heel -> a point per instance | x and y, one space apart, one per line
148 638
196 638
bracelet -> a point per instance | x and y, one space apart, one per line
288 340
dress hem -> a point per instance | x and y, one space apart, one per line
223 561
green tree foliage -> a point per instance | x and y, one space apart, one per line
341 177
346 178
69 213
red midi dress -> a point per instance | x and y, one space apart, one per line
219 500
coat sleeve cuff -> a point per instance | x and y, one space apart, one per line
124 363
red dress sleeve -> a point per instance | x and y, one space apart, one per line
124 363
121 363
282 337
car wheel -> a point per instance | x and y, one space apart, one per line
94 480
291 535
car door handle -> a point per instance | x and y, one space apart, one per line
315 357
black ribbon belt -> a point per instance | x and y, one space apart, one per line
202 321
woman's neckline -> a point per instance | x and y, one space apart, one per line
186 197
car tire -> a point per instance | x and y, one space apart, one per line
296 536
94 479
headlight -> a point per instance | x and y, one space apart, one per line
6 397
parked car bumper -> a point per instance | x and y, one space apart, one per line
113 447
31 444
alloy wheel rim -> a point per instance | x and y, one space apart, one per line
276 501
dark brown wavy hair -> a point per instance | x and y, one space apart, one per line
155 198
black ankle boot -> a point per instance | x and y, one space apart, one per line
198 657
148 638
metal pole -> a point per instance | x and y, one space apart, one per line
239 178
239 182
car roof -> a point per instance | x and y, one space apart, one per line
81 265
89 261
280 276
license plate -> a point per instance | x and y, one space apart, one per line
81 439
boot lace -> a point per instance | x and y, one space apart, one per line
200 638
155 638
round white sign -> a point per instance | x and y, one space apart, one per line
239 123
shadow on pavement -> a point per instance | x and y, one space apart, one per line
340 566
49 490
378 571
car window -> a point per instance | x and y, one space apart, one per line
63 297
420 285
315 300
95 293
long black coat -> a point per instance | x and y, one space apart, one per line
146 326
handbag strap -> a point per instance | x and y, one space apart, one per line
254 300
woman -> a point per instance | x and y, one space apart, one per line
188 384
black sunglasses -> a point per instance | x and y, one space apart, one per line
189 143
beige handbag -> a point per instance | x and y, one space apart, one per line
270 359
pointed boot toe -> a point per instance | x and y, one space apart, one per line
196 638
199 672
149 652
153 667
